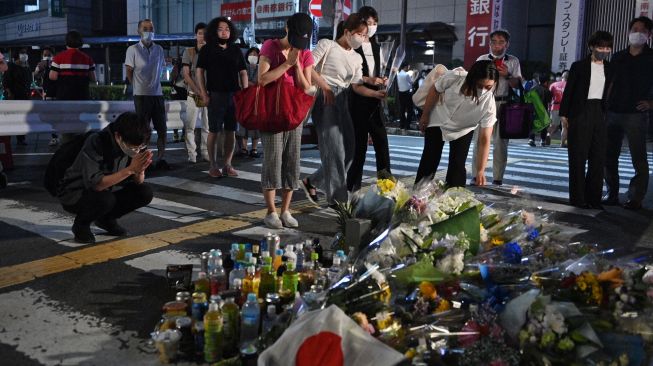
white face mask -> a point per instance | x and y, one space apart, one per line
129 151
499 55
253 60
637 38
147 36
371 30
47 58
355 41
23 57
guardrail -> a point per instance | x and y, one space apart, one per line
20 117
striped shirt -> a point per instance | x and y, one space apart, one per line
73 67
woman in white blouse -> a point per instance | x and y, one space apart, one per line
339 66
454 107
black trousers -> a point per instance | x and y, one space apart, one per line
458 151
366 115
406 107
587 140
107 205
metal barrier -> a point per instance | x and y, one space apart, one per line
20 117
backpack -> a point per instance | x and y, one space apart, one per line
65 156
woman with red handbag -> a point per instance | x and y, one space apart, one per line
340 68
289 60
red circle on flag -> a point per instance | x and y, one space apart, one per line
315 7
322 349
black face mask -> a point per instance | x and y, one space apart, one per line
222 41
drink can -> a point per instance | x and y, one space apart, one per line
199 306
204 262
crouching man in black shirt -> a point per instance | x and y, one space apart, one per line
105 182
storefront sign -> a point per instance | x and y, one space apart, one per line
644 8
25 28
55 8
567 41
478 29
275 9
237 12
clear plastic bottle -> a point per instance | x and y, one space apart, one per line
213 334
269 320
250 319
267 284
231 325
289 253
306 277
234 252
248 281
202 284
334 271
290 280
277 260
299 254
218 279
237 273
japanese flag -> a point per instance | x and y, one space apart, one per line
328 337
346 9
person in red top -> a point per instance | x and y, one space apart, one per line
557 89
73 69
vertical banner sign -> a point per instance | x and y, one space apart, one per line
497 11
55 8
477 31
567 38
644 8
316 31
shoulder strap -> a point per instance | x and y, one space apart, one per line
107 148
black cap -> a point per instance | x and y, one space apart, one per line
300 28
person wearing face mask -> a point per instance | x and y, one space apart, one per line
366 113
197 117
145 63
16 82
340 67
106 179
509 77
251 57
629 104
42 77
223 65
582 114
455 107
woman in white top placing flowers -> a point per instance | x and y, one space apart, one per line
454 107
339 67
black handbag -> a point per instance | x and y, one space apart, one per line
515 116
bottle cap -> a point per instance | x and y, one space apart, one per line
340 253
248 255
241 247
265 254
278 252
251 269
248 247
290 248
251 297
201 275
214 306
336 261
238 282
253 260
272 310
308 242
234 246
266 268
314 256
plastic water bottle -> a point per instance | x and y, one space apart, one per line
231 322
300 257
213 334
290 253
218 278
269 319
334 271
237 273
234 252
250 319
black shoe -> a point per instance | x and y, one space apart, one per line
531 143
306 186
472 182
162 165
610 200
111 227
83 234
497 182
547 141
254 154
632 205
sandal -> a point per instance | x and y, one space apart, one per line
308 187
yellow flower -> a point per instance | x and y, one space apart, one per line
428 290
385 185
443 306
496 241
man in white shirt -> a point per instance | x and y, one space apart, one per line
145 62
509 77
404 84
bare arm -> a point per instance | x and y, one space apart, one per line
482 154
113 179
130 74
367 92
185 71
265 75
303 76
137 167
432 99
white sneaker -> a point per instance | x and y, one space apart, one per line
272 221
54 141
288 220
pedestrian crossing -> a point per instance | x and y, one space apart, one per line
530 171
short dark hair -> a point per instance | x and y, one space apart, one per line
544 78
200 25
480 70
74 39
143 21
367 12
252 49
211 34
132 129
648 23
600 39
502 33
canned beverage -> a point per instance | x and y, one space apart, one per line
184 296
204 262
272 241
